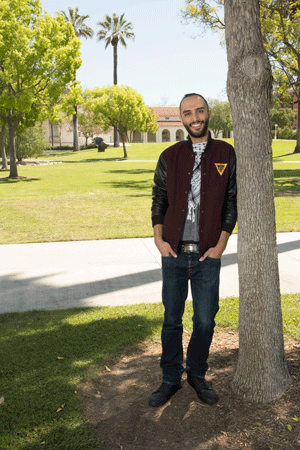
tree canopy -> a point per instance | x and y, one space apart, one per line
81 29
221 119
39 55
121 107
280 27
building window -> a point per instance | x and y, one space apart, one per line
55 132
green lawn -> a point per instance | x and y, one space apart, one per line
89 195
45 356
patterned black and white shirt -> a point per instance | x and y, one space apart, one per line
190 230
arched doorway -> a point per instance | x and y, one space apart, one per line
179 135
165 136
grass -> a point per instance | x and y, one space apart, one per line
89 195
45 356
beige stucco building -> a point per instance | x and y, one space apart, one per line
170 129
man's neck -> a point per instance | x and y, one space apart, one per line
199 140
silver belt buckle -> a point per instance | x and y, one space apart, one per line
190 248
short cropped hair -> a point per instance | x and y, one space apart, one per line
191 95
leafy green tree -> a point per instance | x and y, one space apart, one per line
115 29
221 119
281 30
39 55
282 118
82 30
31 142
121 107
280 27
87 125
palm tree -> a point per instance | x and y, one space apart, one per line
114 29
81 31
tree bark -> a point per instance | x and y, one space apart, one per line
123 137
12 127
75 130
115 47
297 148
2 147
262 373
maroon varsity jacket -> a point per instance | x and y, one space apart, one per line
172 180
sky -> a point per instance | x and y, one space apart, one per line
166 60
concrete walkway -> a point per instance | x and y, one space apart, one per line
110 272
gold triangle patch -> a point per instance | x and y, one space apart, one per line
220 168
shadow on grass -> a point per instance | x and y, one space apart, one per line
292 173
287 182
132 171
17 180
138 185
94 160
44 357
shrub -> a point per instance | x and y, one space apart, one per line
32 142
286 133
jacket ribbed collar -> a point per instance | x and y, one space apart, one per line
209 142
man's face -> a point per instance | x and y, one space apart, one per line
195 118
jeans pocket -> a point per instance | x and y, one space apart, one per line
213 259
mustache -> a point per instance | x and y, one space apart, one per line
199 122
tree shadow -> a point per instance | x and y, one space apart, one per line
94 160
137 185
132 171
282 156
17 180
44 359
31 293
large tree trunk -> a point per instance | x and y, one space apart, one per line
75 130
123 137
261 373
2 148
115 47
297 148
12 127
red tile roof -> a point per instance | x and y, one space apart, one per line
165 113
168 111
169 124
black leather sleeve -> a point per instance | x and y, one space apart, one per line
229 216
159 193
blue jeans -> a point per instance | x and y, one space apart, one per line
204 278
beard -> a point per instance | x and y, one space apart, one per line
197 134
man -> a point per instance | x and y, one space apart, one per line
193 214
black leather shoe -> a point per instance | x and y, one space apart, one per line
163 394
204 391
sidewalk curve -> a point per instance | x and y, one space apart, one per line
59 275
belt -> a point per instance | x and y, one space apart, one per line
191 247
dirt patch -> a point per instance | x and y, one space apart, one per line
117 406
